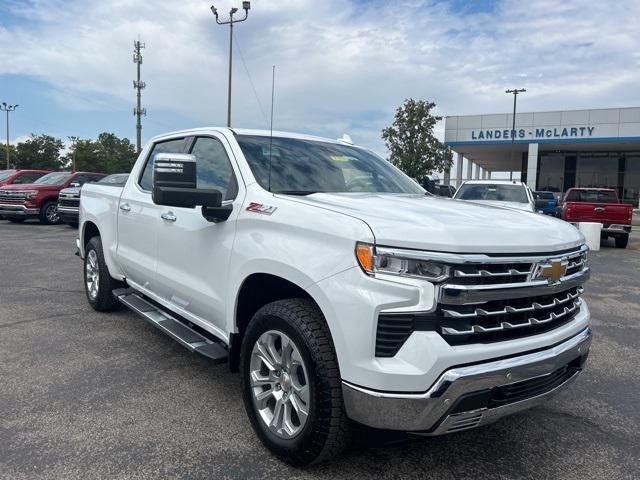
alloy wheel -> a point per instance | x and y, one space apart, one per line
92 274
52 213
279 383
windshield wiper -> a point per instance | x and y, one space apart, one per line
296 192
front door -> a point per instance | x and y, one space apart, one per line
194 254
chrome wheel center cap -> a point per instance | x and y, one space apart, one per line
285 382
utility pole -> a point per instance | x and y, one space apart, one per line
8 108
515 93
246 6
73 141
138 84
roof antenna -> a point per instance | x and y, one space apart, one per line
273 83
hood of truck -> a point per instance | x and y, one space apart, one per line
443 224
32 186
496 203
74 191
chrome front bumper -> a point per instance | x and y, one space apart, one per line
10 210
454 401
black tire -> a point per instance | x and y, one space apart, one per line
16 219
622 241
46 217
326 432
103 300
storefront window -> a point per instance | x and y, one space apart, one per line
631 187
551 172
597 169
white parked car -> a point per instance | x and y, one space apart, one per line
336 287
499 193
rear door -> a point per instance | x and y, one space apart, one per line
139 221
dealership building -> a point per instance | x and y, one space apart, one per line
550 150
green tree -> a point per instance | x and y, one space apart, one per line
3 156
39 152
107 154
413 147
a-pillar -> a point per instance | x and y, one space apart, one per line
532 166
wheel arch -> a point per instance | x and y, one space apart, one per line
257 290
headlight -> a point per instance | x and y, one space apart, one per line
373 262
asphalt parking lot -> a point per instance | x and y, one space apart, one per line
89 395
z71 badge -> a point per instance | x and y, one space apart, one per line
260 208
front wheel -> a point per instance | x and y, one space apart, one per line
291 383
49 214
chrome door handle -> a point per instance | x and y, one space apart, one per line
169 217
125 207
599 209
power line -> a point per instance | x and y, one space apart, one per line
138 85
253 87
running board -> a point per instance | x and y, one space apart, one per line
183 334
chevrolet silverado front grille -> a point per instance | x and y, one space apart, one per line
73 202
489 299
12 198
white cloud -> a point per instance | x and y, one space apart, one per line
341 66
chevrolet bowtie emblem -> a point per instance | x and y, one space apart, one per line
552 271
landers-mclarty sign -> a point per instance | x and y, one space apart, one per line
532 133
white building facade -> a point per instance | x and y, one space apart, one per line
552 150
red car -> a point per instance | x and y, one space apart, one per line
14 177
599 205
40 199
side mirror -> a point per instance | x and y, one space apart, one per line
175 184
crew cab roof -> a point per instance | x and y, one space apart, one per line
245 131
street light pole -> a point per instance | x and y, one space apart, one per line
73 141
8 108
515 93
246 6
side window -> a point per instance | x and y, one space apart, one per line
214 168
170 146
27 178
81 179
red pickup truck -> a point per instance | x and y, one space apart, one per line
599 205
40 199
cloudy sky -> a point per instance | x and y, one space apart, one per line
342 66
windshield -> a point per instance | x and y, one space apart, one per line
56 178
493 192
4 174
118 179
592 196
302 167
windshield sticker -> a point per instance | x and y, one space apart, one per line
340 158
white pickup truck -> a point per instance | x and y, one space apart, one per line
342 293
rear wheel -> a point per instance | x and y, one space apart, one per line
622 241
16 219
98 284
291 383
49 214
